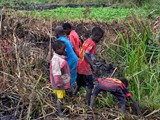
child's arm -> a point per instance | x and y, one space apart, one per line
56 72
58 80
135 103
89 60
104 94
128 95
75 47
89 55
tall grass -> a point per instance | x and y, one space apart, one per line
139 54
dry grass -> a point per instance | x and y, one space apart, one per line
25 92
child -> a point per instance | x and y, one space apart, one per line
72 58
117 88
59 73
85 63
73 37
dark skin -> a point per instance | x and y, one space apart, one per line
96 38
60 51
123 106
67 31
59 31
135 105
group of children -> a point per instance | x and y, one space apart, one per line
72 62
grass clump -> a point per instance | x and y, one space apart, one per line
139 54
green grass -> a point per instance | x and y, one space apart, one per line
93 14
120 10
96 14
14 2
139 54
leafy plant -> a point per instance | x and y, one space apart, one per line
100 14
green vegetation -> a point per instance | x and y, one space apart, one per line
138 52
117 12
14 2
96 14
100 14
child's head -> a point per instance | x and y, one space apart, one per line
59 31
124 81
97 34
59 47
67 28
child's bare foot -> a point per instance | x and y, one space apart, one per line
60 114
90 108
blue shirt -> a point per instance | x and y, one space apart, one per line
70 54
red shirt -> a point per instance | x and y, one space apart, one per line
111 85
83 66
76 43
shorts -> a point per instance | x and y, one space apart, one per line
60 93
120 96
85 80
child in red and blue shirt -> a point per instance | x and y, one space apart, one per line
85 62
117 88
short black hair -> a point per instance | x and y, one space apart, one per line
67 26
59 30
56 45
124 81
97 30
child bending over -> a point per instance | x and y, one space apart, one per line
59 73
117 88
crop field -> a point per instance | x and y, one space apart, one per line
131 44
94 14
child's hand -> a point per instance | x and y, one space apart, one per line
90 108
60 87
104 94
94 69
69 92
